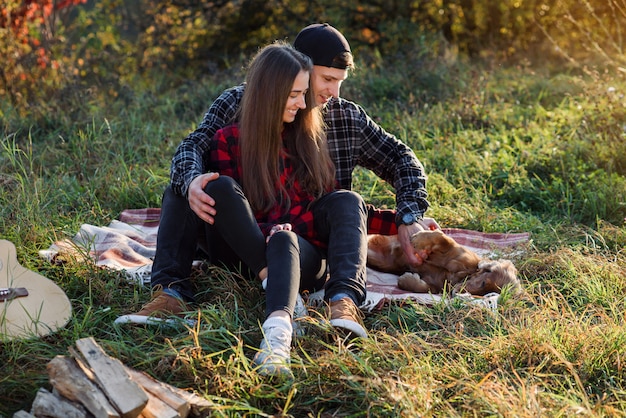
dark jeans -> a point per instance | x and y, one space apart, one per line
235 238
341 220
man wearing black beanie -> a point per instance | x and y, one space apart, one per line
353 139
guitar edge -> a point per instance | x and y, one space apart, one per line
45 309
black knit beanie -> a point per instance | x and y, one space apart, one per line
322 43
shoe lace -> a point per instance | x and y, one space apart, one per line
345 308
277 337
161 301
157 301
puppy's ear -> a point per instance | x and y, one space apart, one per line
487 265
502 274
508 265
505 266
509 277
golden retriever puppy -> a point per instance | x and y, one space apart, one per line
449 266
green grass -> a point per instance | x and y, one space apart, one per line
506 149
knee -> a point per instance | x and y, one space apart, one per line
282 241
221 186
349 200
356 199
173 203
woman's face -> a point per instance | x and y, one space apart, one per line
296 99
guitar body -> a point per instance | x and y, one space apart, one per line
44 309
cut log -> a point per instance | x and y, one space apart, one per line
195 405
68 379
126 395
23 414
161 390
156 408
199 407
89 383
48 405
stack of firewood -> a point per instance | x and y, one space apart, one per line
89 383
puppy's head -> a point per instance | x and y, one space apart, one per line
492 276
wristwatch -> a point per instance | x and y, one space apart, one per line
409 219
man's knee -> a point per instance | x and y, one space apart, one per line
348 201
173 203
220 186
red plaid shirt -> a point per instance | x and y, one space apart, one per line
226 160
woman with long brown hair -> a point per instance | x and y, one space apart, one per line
275 194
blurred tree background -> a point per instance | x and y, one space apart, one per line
55 52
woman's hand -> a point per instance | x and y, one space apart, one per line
276 228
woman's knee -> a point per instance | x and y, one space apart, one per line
282 240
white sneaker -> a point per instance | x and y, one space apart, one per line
299 312
273 356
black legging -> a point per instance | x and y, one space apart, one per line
293 263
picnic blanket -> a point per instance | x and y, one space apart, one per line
128 244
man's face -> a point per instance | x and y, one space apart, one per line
326 82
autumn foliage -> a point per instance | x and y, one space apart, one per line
28 29
49 47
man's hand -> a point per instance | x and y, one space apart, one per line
429 223
200 202
404 236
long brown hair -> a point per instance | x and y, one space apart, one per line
269 82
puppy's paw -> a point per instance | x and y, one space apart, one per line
431 241
413 283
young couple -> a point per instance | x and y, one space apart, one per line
265 181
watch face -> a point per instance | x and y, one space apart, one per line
408 219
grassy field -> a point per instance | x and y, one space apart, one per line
507 149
